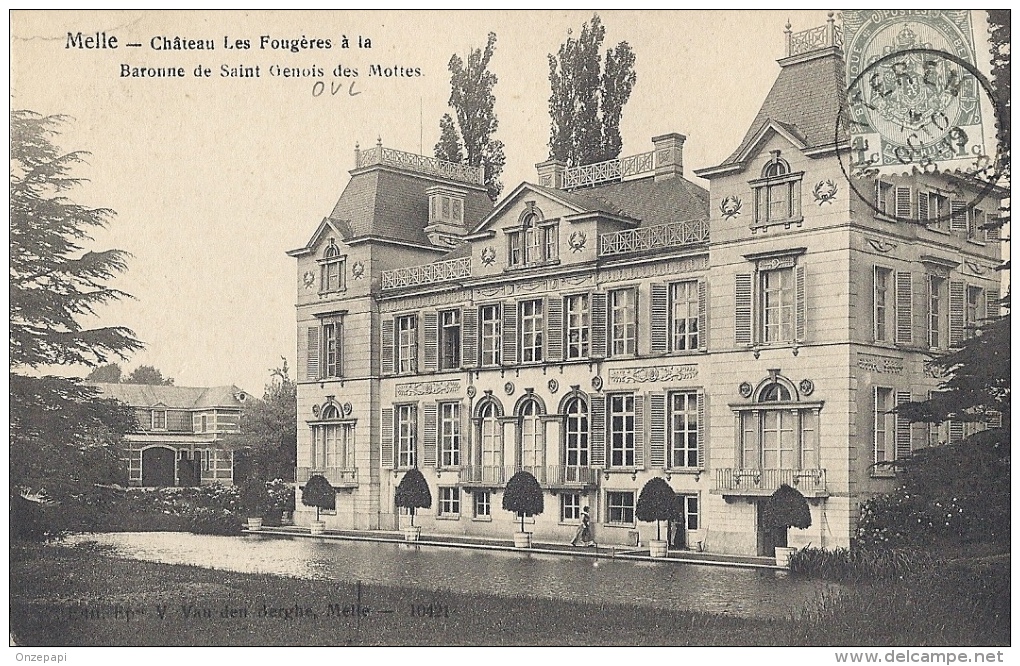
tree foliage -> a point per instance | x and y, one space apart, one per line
318 492
267 435
109 373
587 98
147 374
786 508
999 38
523 496
62 437
656 503
469 140
413 492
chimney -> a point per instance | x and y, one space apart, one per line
550 173
669 155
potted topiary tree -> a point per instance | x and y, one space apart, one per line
784 509
255 500
413 493
321 494
524 497
656 503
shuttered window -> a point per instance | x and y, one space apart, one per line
407 436
578 326
386 438
622 430
683 426
532 331
598 430
430 353
882 303
904 308
449 434
312 353
510 334
491 334
449 339
937 311
577 449
554 328
685 316
743 300
884 425
430 435
407 344
623 322
599 330
903 207
469 338
386 345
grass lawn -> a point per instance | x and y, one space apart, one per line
84 596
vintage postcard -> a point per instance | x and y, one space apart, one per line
511 328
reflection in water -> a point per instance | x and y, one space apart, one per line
744 592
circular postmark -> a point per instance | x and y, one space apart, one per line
917 111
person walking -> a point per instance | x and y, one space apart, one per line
584 536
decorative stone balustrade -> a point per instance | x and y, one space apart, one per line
673 234
440 271
419 163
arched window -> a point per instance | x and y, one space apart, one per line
576 444
488 454
777 193
774 393
778 431
535 241
532 242
332 269
532 437
332 444
775 168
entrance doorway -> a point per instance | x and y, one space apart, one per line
158 463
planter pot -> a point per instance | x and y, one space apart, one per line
254 524
412 533
522 539
317 527
657 548
783 556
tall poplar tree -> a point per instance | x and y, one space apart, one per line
468 138
588 96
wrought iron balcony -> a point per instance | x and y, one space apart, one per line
673 234
615 170
486 476
440 271
814 39
338 477
762 482
552 477
420 164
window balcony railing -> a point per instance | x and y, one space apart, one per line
673 234
486 475
440 271
554 476
338 477
762 482
609 171
420 164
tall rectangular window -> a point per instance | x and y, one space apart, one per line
974 313
449 434
331 278
621 430
159 419
885 448
407 436
570 507
531 331
550 241
578 324
882 300
692 515
885 194
620 508
407 343
683 430
684 311
516 254
623 322
330 347
482 501
937 206
975 222
449 502
449 339
777 299
491 329
937 311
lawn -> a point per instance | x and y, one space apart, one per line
83 595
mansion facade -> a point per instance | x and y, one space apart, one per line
615 322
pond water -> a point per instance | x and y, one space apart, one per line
742 592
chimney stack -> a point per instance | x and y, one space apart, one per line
669 156
550 173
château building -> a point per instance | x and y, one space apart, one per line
615 322
178 437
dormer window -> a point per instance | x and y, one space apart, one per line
446 205
332 269
776 193
534 242
159 419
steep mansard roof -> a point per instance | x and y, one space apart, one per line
179 397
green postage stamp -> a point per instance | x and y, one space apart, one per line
916 95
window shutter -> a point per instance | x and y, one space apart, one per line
386 345
743 299
992 233
957 313
702 315
992 303
657 430
313 353
922 206
639 431
469 337
429 458
958 218
701 429
904 308
903 202
801 305
660 318
598 431
430 324
554 328
877 456
386 439
599 325
510 334
903 429
955 432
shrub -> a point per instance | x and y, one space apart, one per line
318 492
656 503
784 509
523 496
213 521
860 565
31 521
255 498
413 492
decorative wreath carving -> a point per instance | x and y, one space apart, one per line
577 240
488 255
730 206
806 386
309 279
746 389
358 270
825 191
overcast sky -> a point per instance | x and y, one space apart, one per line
213 180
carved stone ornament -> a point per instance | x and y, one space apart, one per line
659 373
488 255
730 206
975 267
554 386
881 245
745 389
428 388
509 388
348 408
358 270
577 240
472 391
316 411
806 386
596 383
825 191
308 279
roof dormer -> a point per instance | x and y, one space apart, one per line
446 214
